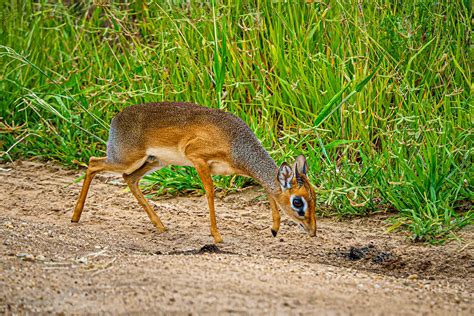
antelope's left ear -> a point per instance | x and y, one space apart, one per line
300 166
285 175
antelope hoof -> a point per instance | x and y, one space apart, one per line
161 230
217 238
274 232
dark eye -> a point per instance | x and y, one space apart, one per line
297 202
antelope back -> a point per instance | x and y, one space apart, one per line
177 133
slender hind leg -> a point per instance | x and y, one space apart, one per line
96 165
202 169
132 181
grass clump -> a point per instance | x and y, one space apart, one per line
377 95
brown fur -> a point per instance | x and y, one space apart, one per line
147 137
307 192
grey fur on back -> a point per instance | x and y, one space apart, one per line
247 152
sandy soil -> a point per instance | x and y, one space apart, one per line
113 261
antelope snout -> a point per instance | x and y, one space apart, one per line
310 230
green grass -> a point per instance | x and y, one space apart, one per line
378 96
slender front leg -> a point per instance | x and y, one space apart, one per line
275 216
132 181
205 174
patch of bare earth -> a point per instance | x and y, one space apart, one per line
113 261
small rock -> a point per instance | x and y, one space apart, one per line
41 258
82 260
356 253
413 277
50 233
30 258
26 256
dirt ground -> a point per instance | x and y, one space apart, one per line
113 261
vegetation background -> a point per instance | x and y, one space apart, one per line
377 94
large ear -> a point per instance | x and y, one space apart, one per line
285 175
300 168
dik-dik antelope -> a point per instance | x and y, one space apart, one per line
147 137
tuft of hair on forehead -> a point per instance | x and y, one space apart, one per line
306 184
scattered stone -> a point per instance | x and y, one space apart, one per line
82 260
357 253
381 257
26 256
41 258
367 252
210 248
412 277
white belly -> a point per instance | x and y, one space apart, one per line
169 156
221 168
172 156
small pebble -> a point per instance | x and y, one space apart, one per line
41 258
26 256
82 260
413 276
